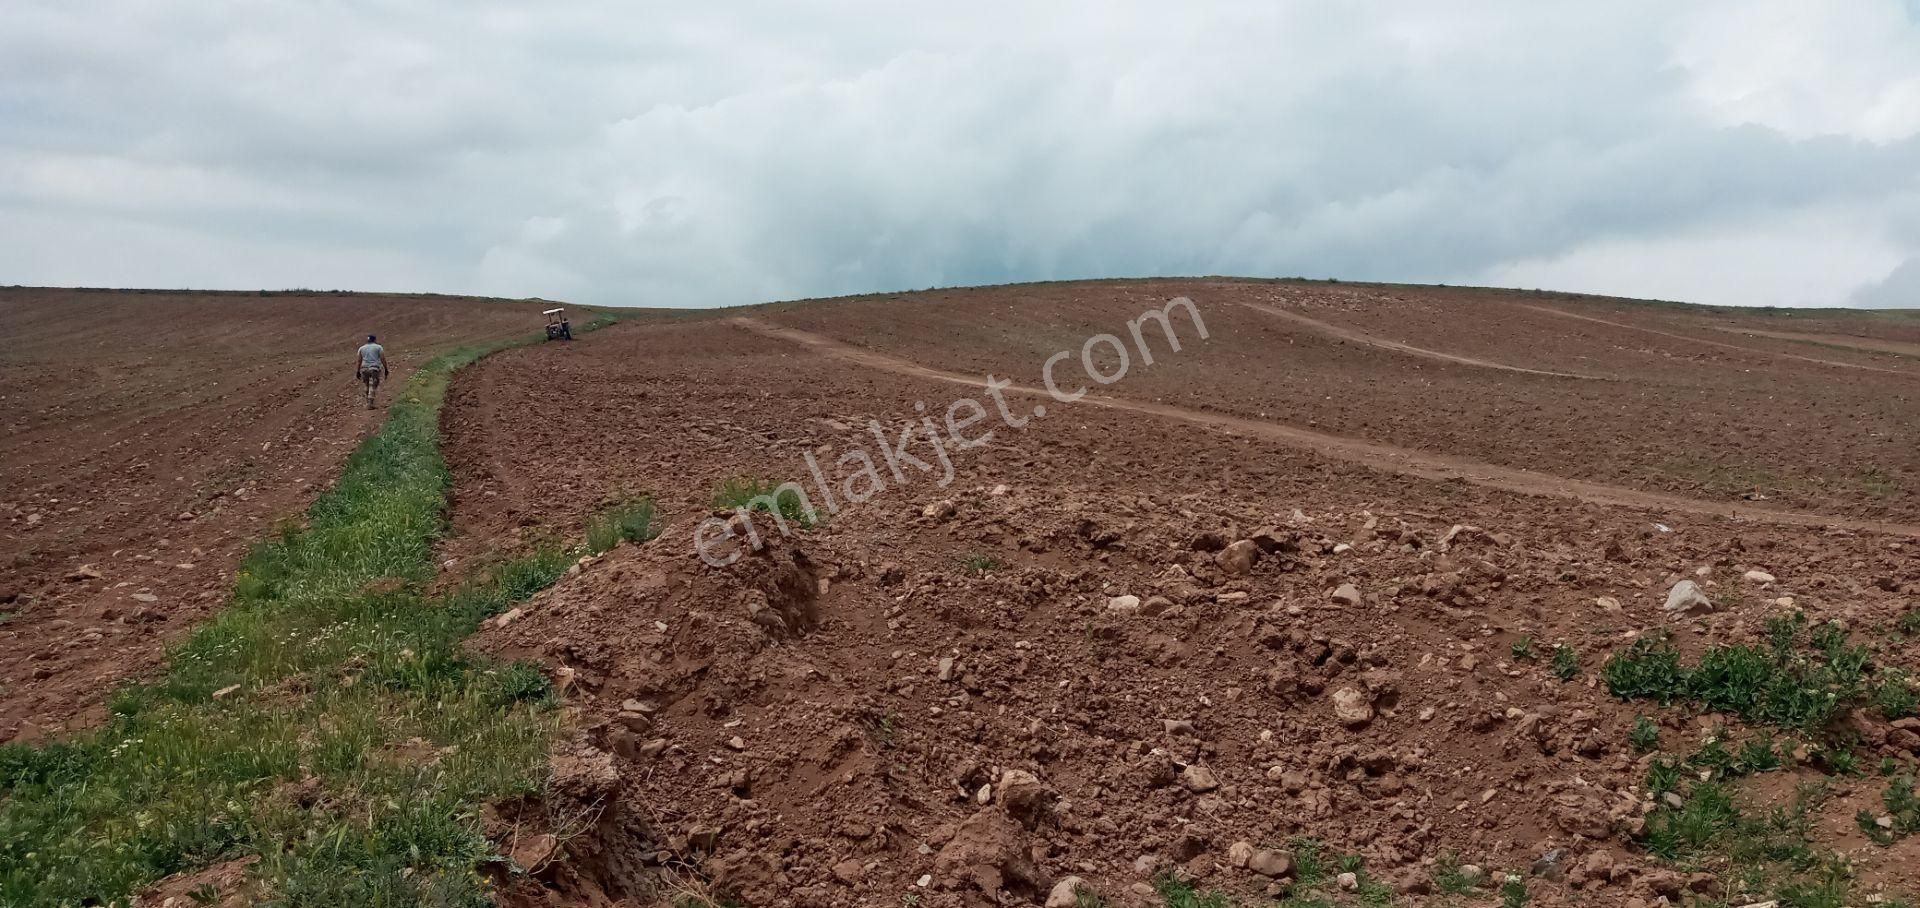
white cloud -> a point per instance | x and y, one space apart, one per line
673 154
1805 259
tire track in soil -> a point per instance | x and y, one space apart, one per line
1405 461
1863 344
1361 337
1710 343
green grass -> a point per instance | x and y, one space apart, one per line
1785 683
763 495
1178 893
632 520
349 684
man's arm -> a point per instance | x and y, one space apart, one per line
385 372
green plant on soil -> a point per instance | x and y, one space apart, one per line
764 495
326 723
1645 734
1901 810
1566 662
1450 879
1895 698
980 563
1522 649
1700 824
1784 683
632 520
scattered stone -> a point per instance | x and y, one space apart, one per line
1024 796
1178 726
940 510
1686 598
226 692
1547 866
1348 881
946 668
1239 557
1069 891
144 597
509 616
1271 863
1198 779
1239 854
1461 533
1123 605
1757 576
1346 594
1607 604
1352 707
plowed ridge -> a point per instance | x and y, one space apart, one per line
1696 340
1361 337
1406 461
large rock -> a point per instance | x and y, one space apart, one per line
1353 708
1066 893
1198 779
990 852
1271 862
1024 796
1346 594
1686 598
1239 557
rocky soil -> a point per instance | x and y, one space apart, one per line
1115 646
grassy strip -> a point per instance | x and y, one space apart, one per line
326 725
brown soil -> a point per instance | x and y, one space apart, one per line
1115 640
150 438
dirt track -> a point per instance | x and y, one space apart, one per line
827 713
150 439
1397 460
1371 340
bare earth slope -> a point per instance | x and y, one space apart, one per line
149 438
1268 587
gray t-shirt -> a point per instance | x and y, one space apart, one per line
370 356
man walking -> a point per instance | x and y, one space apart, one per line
371 367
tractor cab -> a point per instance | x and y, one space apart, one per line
557 326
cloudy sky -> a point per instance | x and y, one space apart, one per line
1754 152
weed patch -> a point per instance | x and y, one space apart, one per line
764 495
630 521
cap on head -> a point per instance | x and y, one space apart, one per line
369 338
